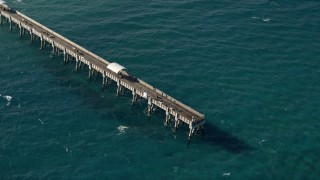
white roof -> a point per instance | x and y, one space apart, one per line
115 67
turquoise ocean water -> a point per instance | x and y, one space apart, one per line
252 67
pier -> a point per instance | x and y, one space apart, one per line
176 112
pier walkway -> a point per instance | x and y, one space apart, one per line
173 108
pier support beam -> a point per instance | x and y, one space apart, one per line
20 31
91 71
68 58
107 80
150 106
77 64
103 80
41 42
168 117
31 36
176 123
191 131
119 88
134 97
20 27
53 48
65 56
1 20
149 110
192 128
10 21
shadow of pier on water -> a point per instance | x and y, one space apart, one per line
217 137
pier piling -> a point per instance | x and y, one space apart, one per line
1 19
20 28
168 117
10 21
118 88
134 97
77 64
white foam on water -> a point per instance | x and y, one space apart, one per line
8 99
266 19
68 150
226 174
122 129
261 18
263 140
41 121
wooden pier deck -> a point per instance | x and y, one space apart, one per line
174 109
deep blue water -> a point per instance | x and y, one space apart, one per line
252 67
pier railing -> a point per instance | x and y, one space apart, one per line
61 37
